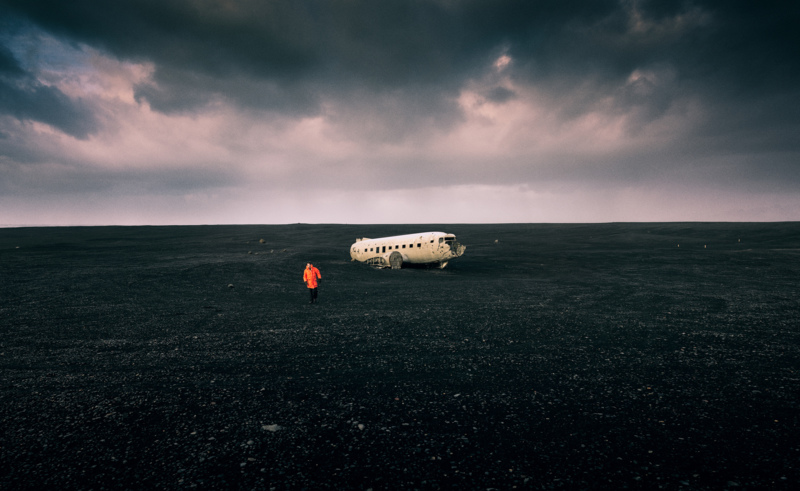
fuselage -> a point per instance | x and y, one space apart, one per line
435 248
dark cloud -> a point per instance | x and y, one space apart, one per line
393 71
24 98
9 67
41 103
500 95
308 46
304 52
176 90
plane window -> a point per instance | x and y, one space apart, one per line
419 245
384 248
404 246
396 246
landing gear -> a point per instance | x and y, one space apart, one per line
396 260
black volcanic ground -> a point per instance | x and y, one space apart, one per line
609 356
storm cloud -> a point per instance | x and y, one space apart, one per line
23 97
361 111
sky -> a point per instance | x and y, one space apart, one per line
161 112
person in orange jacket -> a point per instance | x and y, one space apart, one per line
310 276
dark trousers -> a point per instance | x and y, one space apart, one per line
313 293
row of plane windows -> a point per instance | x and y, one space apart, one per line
378 249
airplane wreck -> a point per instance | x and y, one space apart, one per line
428 248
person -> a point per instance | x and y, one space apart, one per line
310 277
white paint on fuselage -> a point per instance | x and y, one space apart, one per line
423 248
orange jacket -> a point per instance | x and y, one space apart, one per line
310 276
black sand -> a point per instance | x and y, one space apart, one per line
564 356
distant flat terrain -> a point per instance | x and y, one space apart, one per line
549 356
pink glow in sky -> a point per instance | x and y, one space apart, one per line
414 113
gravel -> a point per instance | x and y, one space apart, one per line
647 356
